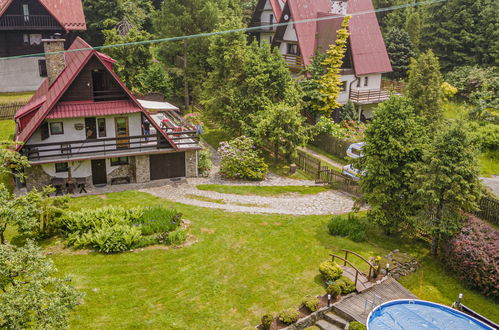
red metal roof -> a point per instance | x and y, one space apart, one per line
368 48
75 62
92 109
276 7
69 13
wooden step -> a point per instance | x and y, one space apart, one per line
325 325
362 281
336 320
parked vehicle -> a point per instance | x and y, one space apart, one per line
354 151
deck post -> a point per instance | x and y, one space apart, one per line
356 275
346 258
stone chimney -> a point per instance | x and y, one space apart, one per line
339 7
55 62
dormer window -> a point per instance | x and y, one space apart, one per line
293 49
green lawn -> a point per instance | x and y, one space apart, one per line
262 190
213 136
455 110
15 97
7 130
489 163
241 267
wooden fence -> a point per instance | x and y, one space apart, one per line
332 145
8 110
308 163
489 210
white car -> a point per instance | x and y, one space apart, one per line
352 172
355 150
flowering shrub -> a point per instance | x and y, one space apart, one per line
472 254
240 160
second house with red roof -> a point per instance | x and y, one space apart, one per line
84 126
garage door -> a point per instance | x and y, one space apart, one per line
166 166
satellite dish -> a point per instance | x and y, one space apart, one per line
286 17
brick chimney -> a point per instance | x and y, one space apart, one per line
55 62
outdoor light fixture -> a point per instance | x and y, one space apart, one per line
328 300
387 268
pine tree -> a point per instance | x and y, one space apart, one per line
448 182
330 81
400 50
424 88
414 29
348 111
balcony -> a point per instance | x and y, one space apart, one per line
295 62
370 96
22 22
263 26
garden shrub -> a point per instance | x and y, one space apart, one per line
487 135
311 303
158 220
239 160
472 255
352 226
267 320
330 271
110 239
177 237
356 326
289 316
334 290
346 285
470 79
204 162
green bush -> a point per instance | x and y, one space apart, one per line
204 162
352 226
267 320
158 220
356 326
311 303
240 160
177 237
487 135
289 316
346 285
334 290
330 271
110 239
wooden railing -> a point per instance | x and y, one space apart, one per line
369 96
372 268
31 21
337 181
488 210
295 62
357 271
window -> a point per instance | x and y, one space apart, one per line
366 81
44 130
101 124
293 49
119 161
35 39
271 21
42 68
343 86
358 82
61 167
26 12
26 39
56 128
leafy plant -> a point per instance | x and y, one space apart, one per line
177 237
334 290
204 162
330 271
356 326
352 226
158 219
311 303
267 320
239 160
110 239
289 316
346 285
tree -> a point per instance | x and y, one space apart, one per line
132 61
394 144
11 161
311 87
283 127
245 79
400 51
156 80
31 296
414 29
330 81
448 182
348 111
424 88
100 15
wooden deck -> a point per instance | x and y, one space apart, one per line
355 307
362 281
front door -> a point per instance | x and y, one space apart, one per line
121 124
99 175
91 128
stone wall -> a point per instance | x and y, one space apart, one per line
128 170
142 169
36 178
191 164
55 61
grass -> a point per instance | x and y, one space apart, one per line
242 266
205 199
213 136
15 97
454 110
7 130
334 158
262 190
489 163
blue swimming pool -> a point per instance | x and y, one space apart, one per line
409 314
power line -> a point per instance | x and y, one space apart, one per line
215 33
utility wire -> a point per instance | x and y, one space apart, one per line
215 33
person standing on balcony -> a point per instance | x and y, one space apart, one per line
146 127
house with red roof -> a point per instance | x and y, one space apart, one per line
85 126
317 22
23 25
267 12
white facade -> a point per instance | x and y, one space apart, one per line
267 18
373 82
20 75
79 169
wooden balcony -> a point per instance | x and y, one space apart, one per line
370 96
295 62
107 147
22 22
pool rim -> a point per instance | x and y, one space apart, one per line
425 302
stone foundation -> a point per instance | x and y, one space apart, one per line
36 178
191 164
124 170
142 169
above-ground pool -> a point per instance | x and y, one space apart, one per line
409 314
